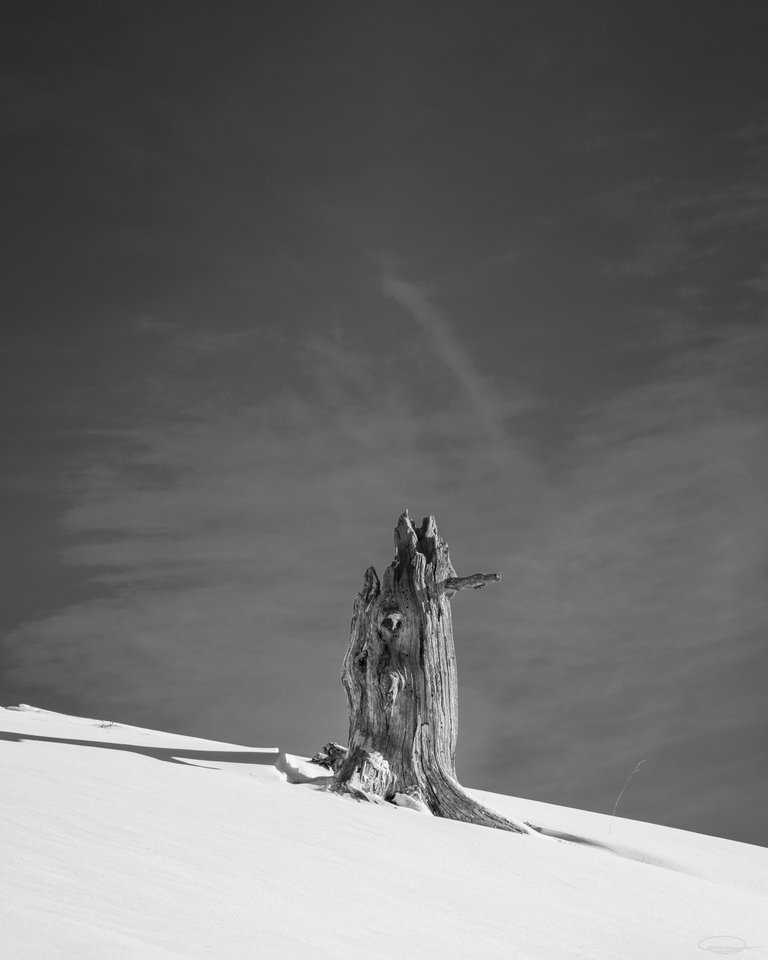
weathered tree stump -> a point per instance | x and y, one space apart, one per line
399 674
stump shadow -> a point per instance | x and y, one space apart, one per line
265 757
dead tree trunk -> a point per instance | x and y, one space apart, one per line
400 677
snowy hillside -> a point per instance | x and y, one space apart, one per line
131 844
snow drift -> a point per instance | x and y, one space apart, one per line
131 844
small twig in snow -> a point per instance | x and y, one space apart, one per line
621 793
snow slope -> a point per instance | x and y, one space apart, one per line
118 843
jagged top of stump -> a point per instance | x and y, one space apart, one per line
411 539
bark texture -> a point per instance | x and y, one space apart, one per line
399 674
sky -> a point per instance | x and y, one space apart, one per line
276 272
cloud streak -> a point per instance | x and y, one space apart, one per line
487 405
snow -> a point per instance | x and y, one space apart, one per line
119 842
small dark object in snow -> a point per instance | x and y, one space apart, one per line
330 756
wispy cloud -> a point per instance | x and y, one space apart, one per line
486 403
597 133
759 281
687 228
751 131
186 345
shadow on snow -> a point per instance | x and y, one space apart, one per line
264 757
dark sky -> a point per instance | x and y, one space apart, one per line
275 272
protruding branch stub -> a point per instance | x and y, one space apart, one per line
476 581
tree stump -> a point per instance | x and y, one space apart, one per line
399 674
